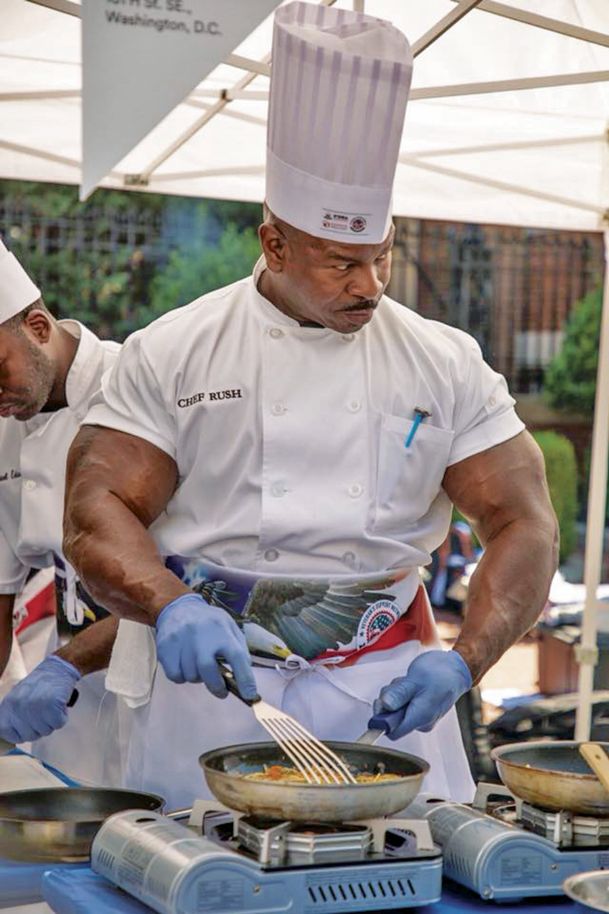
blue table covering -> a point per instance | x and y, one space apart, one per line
84 892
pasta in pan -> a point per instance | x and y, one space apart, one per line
286 775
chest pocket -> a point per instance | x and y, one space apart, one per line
409 479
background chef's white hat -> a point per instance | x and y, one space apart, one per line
339 87
17 290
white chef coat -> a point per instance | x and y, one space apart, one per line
289 440
32 484
290 448
32 465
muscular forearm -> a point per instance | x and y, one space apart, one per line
90 650
508 591
6 628
117 560
116 486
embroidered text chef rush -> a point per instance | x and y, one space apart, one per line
17 290
339 87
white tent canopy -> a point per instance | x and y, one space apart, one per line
526 157
507 123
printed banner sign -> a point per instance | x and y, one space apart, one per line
141 58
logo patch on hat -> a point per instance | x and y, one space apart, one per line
343 223
334 222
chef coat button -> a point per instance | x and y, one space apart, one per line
271 555
278 409
347 337
350 559
491 401
278 489
354 406
276 333
355 490
29 484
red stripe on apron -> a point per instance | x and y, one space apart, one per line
415 625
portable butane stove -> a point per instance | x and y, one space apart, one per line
247 864
504 848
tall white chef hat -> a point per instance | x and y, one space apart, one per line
339 87
17 290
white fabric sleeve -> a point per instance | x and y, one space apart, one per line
485 414
13 572
130 399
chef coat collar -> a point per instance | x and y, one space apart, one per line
83 377
271 310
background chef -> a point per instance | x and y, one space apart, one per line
293 514
48 371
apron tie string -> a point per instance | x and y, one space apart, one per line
295 665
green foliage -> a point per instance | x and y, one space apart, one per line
570 379
121 259
202 269
561 470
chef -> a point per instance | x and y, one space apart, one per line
266 468
48 371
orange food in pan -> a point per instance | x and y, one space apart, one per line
287 775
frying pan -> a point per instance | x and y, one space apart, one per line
58 823
552 775
589 889
225 771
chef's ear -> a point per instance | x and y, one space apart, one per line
38 323
274 245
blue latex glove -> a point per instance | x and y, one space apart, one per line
39 703
434 682
191 635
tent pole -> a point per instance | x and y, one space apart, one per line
544 22
587 652
511 85
60 6
412 160
443 25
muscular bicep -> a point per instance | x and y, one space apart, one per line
104 463
501 485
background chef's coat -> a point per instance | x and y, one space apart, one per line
33 457
32 466
289 440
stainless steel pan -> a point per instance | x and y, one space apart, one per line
552 775
59 824
225 771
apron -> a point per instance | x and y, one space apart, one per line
331 693
91 747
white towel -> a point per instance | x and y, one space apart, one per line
133 663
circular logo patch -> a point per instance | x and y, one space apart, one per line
358 224
377 619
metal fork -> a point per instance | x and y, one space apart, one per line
315 761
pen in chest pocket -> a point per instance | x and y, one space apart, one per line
419 415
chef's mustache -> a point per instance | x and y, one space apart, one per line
362 305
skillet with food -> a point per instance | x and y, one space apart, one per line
236 777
